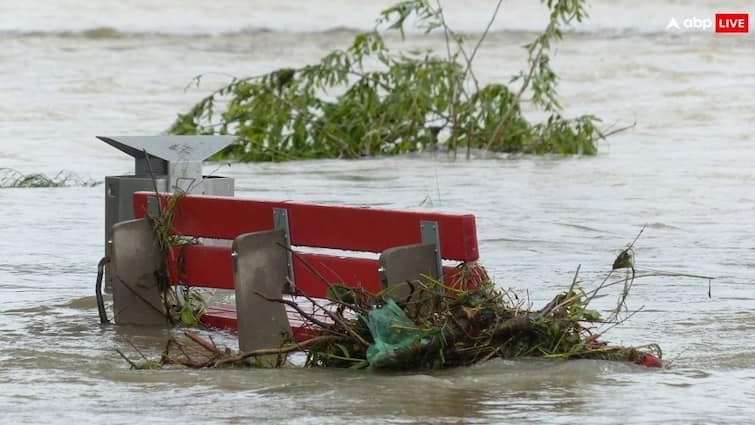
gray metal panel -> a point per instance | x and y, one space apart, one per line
136 258
259 265
185 175
206 185
156 166
215 186
119 192
409 263
170 148
280 221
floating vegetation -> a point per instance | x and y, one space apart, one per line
371 100
10 178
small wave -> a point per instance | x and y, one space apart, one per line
106 32
35 310
581 227
81 303
101 32
659 225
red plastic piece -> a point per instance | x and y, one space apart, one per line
652 361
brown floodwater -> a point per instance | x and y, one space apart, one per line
685 171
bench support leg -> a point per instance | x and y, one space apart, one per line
260 265
403 265
431 235
136 261
280 219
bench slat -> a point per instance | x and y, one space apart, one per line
324 226
212 267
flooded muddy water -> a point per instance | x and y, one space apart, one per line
73 70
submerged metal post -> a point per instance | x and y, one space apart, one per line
404 273
260 267
135 266
405 269
431 235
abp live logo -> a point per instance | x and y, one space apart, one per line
732 22
724 23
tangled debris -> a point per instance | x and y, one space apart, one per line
455 329
426 324
435 326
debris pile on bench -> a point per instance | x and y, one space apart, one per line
434 327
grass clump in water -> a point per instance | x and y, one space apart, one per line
10 178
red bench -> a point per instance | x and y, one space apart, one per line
349 229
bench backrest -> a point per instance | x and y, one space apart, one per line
310 225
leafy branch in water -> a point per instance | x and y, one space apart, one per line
370 100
